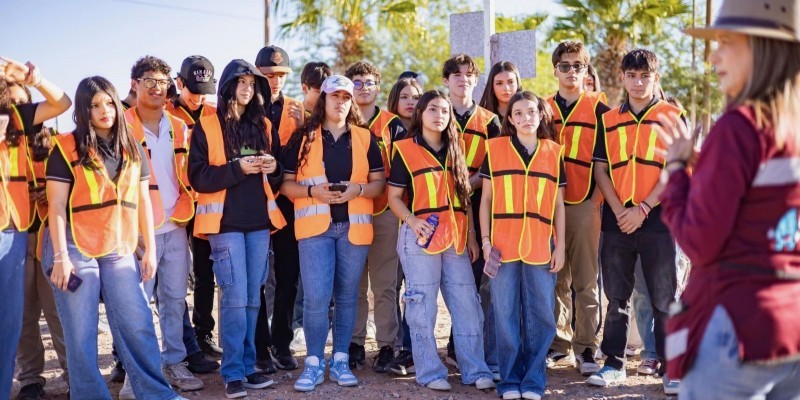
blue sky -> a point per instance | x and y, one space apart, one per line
73 39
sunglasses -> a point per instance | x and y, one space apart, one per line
150 83
358 85
565 67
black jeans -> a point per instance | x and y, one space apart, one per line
287 271
203 285
618 255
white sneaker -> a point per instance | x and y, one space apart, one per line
179 376
511 395
439 384
531 395
126 393
299 341
484 384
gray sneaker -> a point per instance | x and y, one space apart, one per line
607 376
179 376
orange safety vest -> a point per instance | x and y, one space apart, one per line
16 170
474 136
523 199
103 215
39 181
578 133
185 115
435 192
184 208
380 128
632 147
311 217
211 205
288 124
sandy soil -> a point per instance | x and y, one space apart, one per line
563 383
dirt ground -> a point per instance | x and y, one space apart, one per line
562 383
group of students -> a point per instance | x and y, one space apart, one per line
498 205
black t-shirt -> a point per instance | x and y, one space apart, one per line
196 114
275 111
28 113
337 157
526 158
653 222
245 208
401 177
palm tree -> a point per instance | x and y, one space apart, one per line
354 19
610 28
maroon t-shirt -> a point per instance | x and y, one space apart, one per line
736 218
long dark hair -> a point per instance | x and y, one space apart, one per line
546 130
246 129
316 119
595 77
489 99
394 94
13 133
454 150
85 136
38 141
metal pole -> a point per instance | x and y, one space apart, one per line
488 28
693 93
267 4
707 59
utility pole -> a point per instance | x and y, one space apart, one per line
266 21
693 93
707 77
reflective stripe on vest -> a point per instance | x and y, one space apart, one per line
523 199
380 129
632 147
103 215
288 124
184 206
210 206
474 135
313 218
434 193
577 132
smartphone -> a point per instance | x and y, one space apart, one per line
338 187
3 126
252 159
74 280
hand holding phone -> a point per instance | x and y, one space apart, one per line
74 280
338 187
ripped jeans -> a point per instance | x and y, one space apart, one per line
425 275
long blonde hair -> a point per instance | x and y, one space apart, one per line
773 89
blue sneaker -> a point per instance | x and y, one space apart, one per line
313 374
607 376
340 370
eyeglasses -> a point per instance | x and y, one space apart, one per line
150 83
358 85
565 67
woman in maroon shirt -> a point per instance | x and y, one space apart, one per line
735 333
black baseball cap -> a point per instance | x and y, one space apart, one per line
273 59
197 74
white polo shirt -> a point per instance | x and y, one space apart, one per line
162 163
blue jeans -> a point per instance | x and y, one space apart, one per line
189 336
119 280
425 275
172 255
643 312
718 373
13 247
240 266
523 297
330 267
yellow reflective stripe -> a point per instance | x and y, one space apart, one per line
575 146
508 194
13 154
651 145
432 203
473 149
91 181
130 195
623 143
540 192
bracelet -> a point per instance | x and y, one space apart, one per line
62 252
644 211
648 205
486 237
485 243
360 189
406 218
309 190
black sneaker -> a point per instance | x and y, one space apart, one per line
358 357
257 381
451 357
34 391
383 360
403 364
284 360
118 372
199 364
235 390
264 363
209 347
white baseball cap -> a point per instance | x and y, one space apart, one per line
335 83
